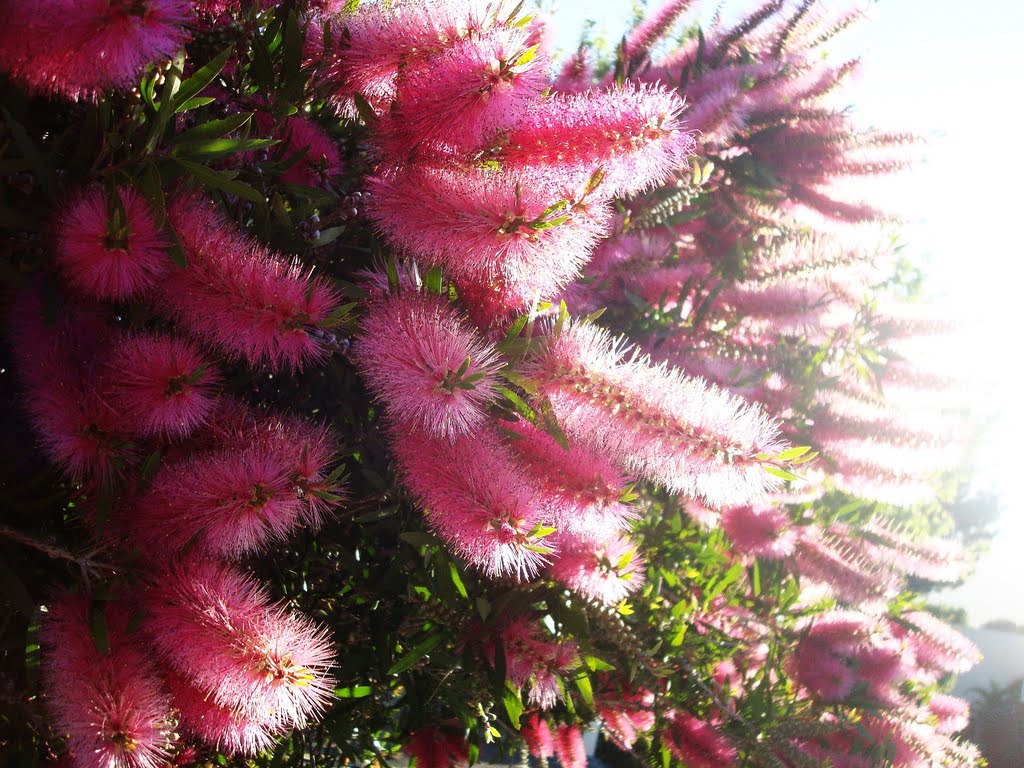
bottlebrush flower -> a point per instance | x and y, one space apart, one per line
78 48
218 629
654 26
844 651
309 152
111 705
654 420
160 386
569 747
223 728
110 252
952 713
698 743
937 645
477 499
536 663
581 488
430 368
831 559
477 223
477 85
57 368
632 133
605 571
538 737
237 295
625 711
436 748
761 532
230 502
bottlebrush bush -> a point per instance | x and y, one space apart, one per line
377 382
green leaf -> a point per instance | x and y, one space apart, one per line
527 56
806 458
151 465
391 267
595 664
194 103
513 706
201 78
211 149
219 181
214 128
792 453
779 472
150 184
432 281
457 579
354 692
419 539
521 406
417 653
365 110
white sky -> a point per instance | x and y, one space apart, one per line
951 72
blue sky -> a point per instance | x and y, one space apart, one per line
951 72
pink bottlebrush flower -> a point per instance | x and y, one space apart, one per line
110 252
761 531
624 710
477 85
569 747
843 651
221 727
698 743
379 39
952 713
653 27
582 488
605 571
536 663
527 228
476 498
940 560
654 420
57 367
219 630
161 386
436 748
230 502
935 644
538 737
576 73
831 558
239 296
633 134
79 48
429 366
309 151
112 705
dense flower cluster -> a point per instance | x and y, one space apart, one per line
626 441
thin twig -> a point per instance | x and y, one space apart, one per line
85 560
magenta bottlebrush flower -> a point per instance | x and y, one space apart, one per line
219 630
110 252
658 22
761 532
225 729
239 296
161 386
952 713
604 571
935 644
309 152
633 133
654 420
429 366
57 367
538 737
231 502
477 85
477 498
569 747
698 743
842 652
581 488
625 711
79 48
536 663
528 228
436 748
112 705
